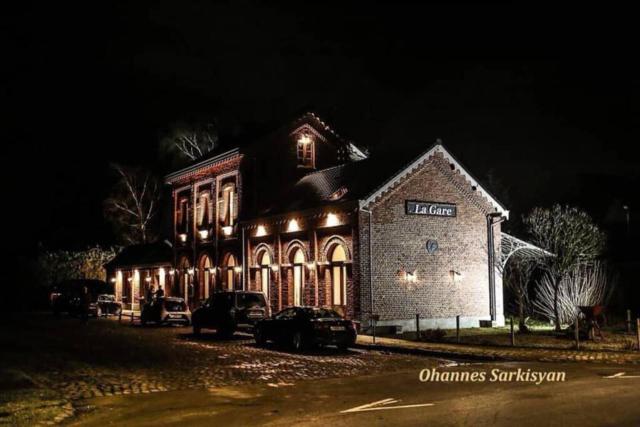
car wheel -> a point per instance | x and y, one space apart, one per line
297 342
258 335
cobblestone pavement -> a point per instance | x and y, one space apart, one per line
501 353
206 362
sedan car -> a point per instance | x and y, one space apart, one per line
303 327
105 305
169 310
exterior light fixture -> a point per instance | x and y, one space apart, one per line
274 267
293 226
332 220
129 279
191 271
455 274
304 139
212 270
147 279
172 271
182 237
411 276
261 231
311 265
204 234
113 280
227 230
237 269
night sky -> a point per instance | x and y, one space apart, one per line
544 99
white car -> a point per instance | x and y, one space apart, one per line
169 310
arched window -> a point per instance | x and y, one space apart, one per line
298 275
183 216
185 279
339 275
206 279
265 273
231 272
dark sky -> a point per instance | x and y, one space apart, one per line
546 98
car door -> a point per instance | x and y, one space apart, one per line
281 325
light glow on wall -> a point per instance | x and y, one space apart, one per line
411 276
293 226
311 265
261 231
332 220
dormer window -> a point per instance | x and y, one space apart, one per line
306 151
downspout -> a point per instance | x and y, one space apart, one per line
243 261
491 262
371 318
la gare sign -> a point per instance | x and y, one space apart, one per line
414 207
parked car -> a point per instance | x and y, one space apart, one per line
66 296
105 305
303 327
167 310
230 311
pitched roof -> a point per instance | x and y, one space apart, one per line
365 181
142 255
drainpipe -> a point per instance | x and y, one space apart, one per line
372 321
491 262
244 264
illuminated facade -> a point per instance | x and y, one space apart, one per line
305 217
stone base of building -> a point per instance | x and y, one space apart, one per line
409 325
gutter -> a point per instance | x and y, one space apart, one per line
371 318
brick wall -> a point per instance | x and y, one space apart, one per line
399 245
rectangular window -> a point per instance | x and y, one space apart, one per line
305 153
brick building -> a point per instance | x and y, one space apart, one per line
308 218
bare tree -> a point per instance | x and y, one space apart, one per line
192 141
586 285
132 205
518 275
571 236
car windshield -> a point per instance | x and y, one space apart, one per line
175 305
250 300
106 298
322 313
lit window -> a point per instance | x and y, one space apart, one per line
306 151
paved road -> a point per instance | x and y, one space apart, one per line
586 398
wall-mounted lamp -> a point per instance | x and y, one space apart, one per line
411 276
191 271
304 139
182 237
212 270
237 269
203 234
172 271
113 280
311 265
227 230
147 279
274 267
129 279
455 274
